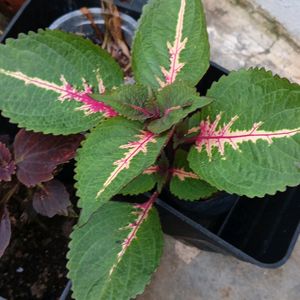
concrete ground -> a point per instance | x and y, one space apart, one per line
243 33
286 12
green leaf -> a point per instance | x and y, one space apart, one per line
185 184
162 171
130 101
46 79
187 129
116 151
139 185
175 102
248 140
171 43
114 254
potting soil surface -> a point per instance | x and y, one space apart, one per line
33 266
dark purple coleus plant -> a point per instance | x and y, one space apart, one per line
34 158
37 155
242 137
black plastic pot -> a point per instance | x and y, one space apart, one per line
260 231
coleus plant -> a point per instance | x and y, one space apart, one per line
242 138
27 169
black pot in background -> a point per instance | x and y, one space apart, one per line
260 231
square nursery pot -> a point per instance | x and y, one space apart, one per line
261 231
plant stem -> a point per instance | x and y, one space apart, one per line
85 11
190 140
10 193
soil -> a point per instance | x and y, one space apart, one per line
34 264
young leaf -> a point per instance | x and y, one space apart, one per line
171 43
37 155
7 165
248 141
117 251
5 230
131 101
175 102
115 153
185 184
55 72
51 199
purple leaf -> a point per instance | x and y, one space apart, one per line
5 230
52 199
4 138
37 155
7 165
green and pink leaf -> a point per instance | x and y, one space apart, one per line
135 147
212 135
116 152
57 87
171 46
119 241
185 184
141 184
131 101
141 216
248 140
175 102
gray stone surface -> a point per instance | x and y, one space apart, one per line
187 273
286 12
241 36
